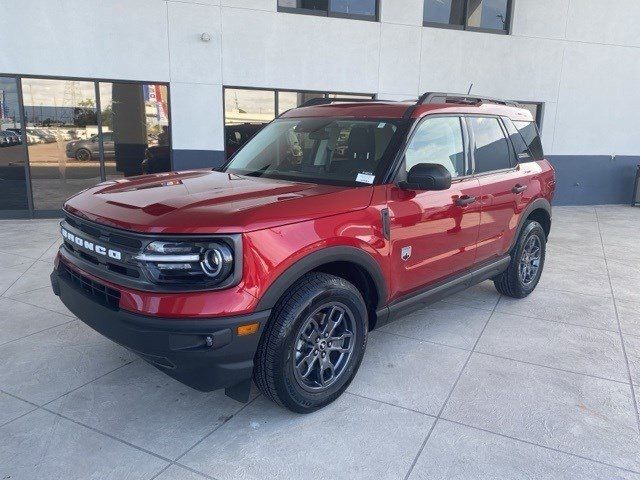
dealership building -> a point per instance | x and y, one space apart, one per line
93 90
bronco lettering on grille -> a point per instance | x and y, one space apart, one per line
92 247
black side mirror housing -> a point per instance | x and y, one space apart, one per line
427 176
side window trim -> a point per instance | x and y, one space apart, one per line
472 145
400 171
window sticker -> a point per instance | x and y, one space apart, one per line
382 125
365 177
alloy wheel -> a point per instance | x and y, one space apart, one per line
324 346
530 260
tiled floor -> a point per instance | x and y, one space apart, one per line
476 386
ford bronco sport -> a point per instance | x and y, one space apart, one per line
333 220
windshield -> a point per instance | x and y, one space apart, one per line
316 150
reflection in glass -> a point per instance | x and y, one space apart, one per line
448 12
245 113
135 128
321 5
317 150
437 140
289 100
13 185
58 114
534 108
491 146
491 14
354 7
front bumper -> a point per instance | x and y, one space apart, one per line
205 354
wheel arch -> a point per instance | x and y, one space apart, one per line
350 263
538 210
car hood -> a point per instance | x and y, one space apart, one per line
204 201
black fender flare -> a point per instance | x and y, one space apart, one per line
537 204
318 258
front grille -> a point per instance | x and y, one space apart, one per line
129 245
105 234
106 296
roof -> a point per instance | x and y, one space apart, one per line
396 110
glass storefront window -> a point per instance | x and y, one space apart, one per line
62 127
77 133
13 156
289 100
135 128
246 111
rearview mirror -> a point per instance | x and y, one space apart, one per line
427 176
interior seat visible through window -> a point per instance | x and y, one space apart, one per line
361 151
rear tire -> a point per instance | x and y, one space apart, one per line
527 261
313 344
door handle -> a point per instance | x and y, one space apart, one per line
465 200
519 188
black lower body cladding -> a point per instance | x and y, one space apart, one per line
205 354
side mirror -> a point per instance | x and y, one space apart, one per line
427 176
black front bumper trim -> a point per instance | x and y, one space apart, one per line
205 354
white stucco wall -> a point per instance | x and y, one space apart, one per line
580 57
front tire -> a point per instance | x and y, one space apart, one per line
83 155
527 261
313 344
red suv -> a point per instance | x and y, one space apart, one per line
333 220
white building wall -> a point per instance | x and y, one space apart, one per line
580 57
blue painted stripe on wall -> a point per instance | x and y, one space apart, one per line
186 159
594 179
582 179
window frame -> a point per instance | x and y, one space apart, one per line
467 27
331 14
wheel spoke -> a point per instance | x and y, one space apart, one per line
336 344
326 366
332 322
309 360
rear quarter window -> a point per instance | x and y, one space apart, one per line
531 136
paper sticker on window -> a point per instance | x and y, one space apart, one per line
365 178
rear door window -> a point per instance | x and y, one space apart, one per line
491 148
530 134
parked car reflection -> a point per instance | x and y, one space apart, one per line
84 150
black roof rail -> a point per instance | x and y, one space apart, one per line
441 97
327 101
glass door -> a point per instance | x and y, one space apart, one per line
62 128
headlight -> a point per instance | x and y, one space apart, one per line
196 264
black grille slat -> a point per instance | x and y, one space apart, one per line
105 236
104 233
107 296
